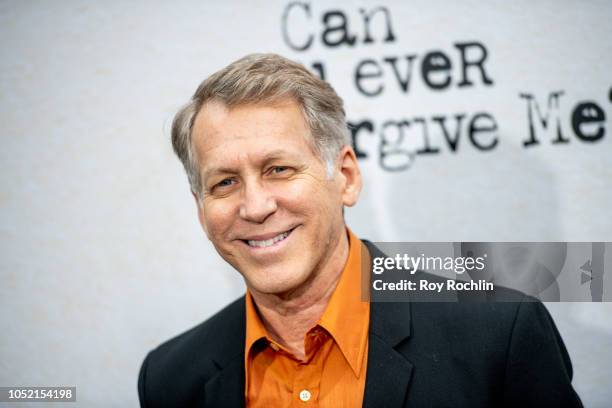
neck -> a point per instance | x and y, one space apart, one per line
288 316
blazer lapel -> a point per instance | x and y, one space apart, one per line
226 389
389 371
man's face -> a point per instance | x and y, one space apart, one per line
268 205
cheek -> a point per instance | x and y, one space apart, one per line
317 200
299 196
219 218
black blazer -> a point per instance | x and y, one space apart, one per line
506 354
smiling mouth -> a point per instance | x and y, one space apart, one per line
268 242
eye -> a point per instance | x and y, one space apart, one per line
225 182
278 169
280 172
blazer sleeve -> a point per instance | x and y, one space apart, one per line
538 367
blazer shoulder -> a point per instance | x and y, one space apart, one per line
172 374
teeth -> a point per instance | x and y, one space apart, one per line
268 242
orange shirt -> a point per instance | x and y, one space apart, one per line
333 372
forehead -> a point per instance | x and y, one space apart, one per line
219 133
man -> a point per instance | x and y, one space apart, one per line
266 150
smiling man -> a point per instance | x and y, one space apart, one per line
268 203
266 149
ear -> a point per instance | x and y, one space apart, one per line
350 176
200 209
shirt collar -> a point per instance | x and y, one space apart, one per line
347 317
255 329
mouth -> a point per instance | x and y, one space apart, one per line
270 242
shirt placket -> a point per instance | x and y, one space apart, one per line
307 381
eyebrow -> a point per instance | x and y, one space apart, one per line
268 157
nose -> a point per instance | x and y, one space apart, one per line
257 202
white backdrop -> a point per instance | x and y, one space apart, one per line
102 255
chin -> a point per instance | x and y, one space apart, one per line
273 282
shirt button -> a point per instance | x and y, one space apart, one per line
305 395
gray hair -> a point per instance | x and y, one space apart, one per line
264 79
